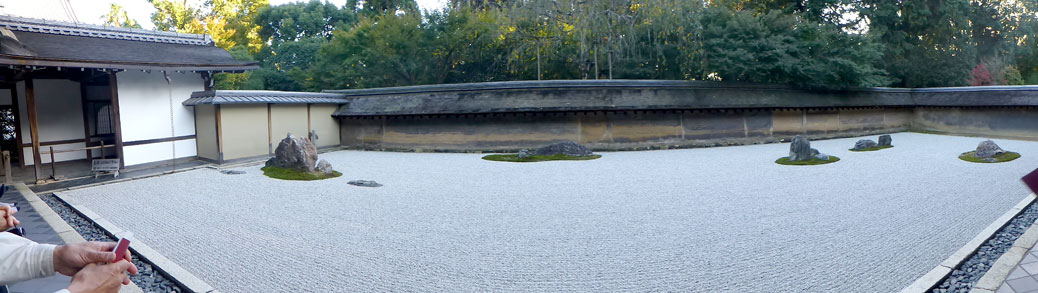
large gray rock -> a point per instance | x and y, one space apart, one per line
800 149
864 144
884 140
324 167
988 149
568 148
295 153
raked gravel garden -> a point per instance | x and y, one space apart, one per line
713 219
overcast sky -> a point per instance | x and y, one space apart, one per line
90 11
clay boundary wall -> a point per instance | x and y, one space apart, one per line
634 115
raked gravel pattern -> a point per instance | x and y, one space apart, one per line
715 219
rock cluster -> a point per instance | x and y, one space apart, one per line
864 144
568 148
988 149
800 150
298 154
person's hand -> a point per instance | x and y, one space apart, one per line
101 278
69 259
7 220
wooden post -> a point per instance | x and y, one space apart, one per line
7 167
53 171
113 84
270 133
30 106
308 128
17 124
219 135
86 120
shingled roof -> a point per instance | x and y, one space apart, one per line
262 97
36 42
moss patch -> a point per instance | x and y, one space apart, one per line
999 158
559 157
289 174
814 161
875 148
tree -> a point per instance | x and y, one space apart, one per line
295 32
387 50
920 36
784 49
118 17
230 23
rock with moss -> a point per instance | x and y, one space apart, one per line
295 153
568 148
864 144
988 149
800 149
885 140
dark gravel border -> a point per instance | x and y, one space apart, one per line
966 275
149 278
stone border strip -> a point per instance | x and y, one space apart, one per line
123 179
175 272
64 230
1005 264
934 276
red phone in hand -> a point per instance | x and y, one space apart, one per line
120 249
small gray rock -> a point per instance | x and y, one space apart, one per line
524 153
364 183
822 157
987 149
884 140
864 144
800 149
324 167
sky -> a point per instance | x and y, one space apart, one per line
91 11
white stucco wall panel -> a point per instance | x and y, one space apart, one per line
141 154
151 108
59 114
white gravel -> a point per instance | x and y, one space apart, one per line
716 219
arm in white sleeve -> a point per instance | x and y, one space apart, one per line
22 259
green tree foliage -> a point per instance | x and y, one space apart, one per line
927 43
294 33
821 44
118 17
782 48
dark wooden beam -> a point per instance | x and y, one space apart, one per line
86 118
34 132
113 85
158 140
308 128
56 142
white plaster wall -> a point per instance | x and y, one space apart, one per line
59 109
146 153
145 111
